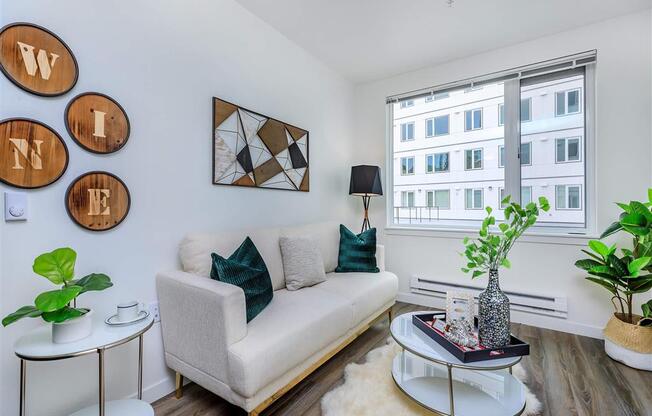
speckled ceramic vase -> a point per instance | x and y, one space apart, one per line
493 314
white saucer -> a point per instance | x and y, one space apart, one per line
113 319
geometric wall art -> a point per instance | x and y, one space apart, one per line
98 201
32 155
37 60
97 122
253 150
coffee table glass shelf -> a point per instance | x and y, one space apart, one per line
438 381
37 345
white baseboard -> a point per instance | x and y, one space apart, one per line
540 321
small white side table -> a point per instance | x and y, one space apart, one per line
37 345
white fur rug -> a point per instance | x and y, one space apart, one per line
369 390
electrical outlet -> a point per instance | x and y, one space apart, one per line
153 310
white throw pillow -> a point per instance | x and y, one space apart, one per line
303 264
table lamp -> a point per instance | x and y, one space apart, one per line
365 182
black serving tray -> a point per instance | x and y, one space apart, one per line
515 348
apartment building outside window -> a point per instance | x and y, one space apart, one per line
526 111
438 126
567 150
407 199
439 198
407 132
407 166
407 103
437 96
526 155
473 119
568 196
474 198
567 102
526 196
473 159
437 162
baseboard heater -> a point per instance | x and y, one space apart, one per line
538 304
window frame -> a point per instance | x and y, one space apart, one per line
408 204
434 199
520 153
434 163
406 131
407 104
566 197
579 148
413 165
501 114
565 92
481 207
472 111
529 104
473 160
434 126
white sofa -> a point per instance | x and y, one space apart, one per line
206 336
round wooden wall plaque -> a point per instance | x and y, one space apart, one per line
97 122
32 155
37 60
98 201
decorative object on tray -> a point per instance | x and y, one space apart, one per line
69 323
253 150
460 305
127 313
37 60
462 341
98 201
628 336
365 182
97 122
32 155
487 254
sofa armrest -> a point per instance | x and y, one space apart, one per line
200 319
380 257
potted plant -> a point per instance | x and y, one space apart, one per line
628 336
69 323
486 255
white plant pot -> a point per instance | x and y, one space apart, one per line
628 343
628 357
73 329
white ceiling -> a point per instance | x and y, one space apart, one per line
372 39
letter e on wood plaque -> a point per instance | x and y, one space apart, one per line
97 122
32 155
98 201
37 60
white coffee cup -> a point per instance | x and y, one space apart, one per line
128 311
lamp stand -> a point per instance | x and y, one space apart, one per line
365 202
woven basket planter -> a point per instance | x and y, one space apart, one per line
628 343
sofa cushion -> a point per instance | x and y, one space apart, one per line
195 251
246 269
357 252
294 326
303 264
367 292
327 236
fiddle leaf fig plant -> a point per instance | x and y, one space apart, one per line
631 273
490 250
59 305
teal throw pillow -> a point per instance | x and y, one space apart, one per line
357 252
245 268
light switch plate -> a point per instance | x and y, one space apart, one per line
16 206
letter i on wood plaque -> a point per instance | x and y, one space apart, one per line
97 122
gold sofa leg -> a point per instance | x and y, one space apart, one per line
179 385
390 314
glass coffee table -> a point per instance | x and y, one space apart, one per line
438 381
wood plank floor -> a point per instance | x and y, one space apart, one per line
570 374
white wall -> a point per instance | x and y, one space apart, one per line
163 61
540 266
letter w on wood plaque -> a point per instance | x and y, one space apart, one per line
98 201
31 154
38 61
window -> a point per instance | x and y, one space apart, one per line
526 154
478 167
567 102
473 198
407 103
439 198
437 96
567 150
407 199
568 197
526 196
407 132
437 126
473 119
407 166
526 109
473 159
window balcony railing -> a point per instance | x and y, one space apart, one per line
405 214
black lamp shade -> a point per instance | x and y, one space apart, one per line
365 180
